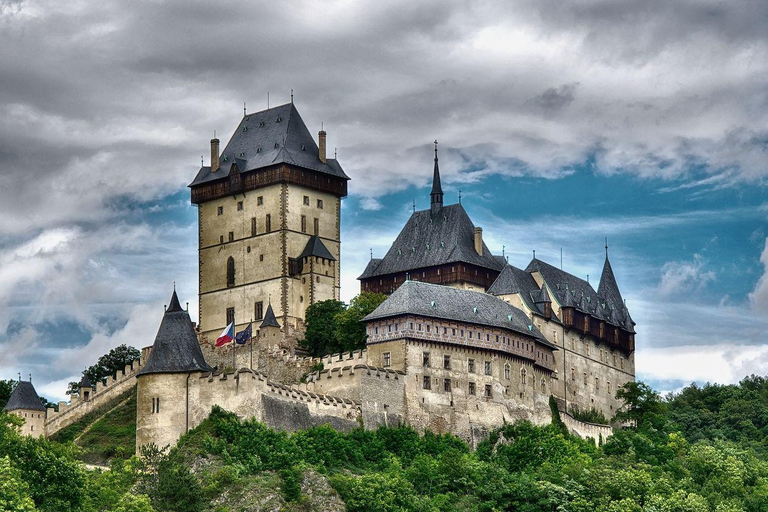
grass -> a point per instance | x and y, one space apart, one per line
113 436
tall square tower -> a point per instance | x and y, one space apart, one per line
269 221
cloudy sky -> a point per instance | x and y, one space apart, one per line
561 124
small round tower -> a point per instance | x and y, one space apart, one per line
163 401
25 403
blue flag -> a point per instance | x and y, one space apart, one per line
244 335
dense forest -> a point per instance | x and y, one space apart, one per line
701 450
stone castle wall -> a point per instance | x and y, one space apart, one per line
101 395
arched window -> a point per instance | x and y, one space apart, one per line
231 271
506 371
543 385
522 376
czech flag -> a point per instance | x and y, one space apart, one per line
226 335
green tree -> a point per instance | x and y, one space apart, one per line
6 388
110 363
350 330
641 403
14 492
320 332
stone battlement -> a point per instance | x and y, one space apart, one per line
101 395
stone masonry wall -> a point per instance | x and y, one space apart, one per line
101 396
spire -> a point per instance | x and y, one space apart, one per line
174 305
608 289
437 189
269 319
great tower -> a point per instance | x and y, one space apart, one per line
269 221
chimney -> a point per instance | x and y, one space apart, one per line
321 138
479 241
214 155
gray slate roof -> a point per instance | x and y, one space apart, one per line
429 240
417 298
316 247
269 319
24 396
273 136
571 291
176 349
513 280
370 268
85 382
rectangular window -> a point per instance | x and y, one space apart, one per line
622 363
231 236
471 365
597 383
488 391
258 310
387 356
230 315
157 408
220 210
221 239
472 388
425 359
306 200
303 223
239 206
254 227
488 368
428 328
447 362
320 204
447 385
585 378
317 226
260 201
427 382
268 228
153 405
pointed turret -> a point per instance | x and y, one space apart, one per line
176 349
608 289
269 319
24 397
437 189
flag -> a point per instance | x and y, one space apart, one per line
244 335
226 335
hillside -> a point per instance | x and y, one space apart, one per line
680 458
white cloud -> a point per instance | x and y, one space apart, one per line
683 276
759 296
724 363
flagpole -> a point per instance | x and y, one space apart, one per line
251 365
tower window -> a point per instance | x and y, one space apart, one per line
488 368
320 204
220 210
387 359
306 200
254 226
522 377
230 316
231 236
447 362
471 365
221 239
269 223
488 391
447 385
425 359
426 382
317 226
239 206
507 371
231 271
472 388
260 201
303 223
258 310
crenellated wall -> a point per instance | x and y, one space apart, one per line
101 396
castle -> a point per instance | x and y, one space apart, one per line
463 343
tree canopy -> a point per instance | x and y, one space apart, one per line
110 363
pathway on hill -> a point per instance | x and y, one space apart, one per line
88 428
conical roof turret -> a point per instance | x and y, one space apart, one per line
436 195
608 289
24 397
176 349
269 319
